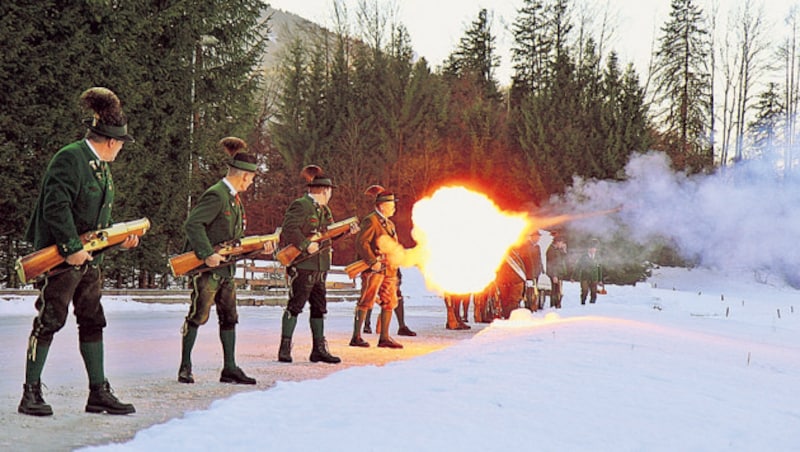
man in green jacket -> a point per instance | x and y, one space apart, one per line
307 274
218 217
76 196
589 272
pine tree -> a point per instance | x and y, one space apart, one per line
682 78
190 79
38 107
425 108
634 109
581 120
560 26
530 53
474 140
184 73
590 105
764 130
289 129
624 124
475 56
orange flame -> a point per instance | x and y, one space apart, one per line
462 238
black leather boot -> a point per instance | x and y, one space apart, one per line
237 376
101 399
32 401
399 312
320 352
385 341
285 351
405 331
358 321
367 319
185 374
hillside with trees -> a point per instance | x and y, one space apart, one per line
354 99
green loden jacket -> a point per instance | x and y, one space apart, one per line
214 219
303 218
76 196
589 269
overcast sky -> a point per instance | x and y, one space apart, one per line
436 26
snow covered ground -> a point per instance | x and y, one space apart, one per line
691 360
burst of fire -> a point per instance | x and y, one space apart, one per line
462 238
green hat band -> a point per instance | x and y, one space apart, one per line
244 166
321 182
386 197
116 132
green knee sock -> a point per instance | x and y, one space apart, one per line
187 344
34 364
92 353
288 323
358 322
228 339
317 328
385 318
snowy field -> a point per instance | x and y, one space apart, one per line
690 361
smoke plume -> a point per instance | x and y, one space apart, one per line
746 217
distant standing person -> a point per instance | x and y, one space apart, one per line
379 281
305 217
589 272
462 310
557 269
218 217
76 196
453 305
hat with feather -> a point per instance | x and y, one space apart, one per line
380 194
107 118
232 145
314 177
237 149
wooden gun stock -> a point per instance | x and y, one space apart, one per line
188 262
288 254
39 262
356 268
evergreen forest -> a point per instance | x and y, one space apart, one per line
354 98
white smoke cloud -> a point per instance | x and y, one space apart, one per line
744 218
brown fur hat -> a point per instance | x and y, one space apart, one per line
232 145
314 177
107 118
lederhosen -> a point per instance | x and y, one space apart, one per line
376 286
